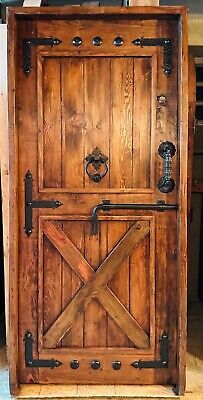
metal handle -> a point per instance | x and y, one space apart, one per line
96 159
166 150
106 205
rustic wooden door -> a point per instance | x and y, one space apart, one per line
98 191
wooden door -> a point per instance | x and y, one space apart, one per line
99 191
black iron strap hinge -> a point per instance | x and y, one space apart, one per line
106 205
162 362
30 203
167 52
28 43
30 362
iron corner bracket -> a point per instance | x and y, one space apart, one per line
30 362
30 203
167 50
162 362
28 43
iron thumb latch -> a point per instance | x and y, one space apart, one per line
106 205
30 362
162 362
30 203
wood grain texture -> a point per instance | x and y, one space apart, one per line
95 285
111 295
13 211
4 156
182 254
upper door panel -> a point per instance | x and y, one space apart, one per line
98 91
98 103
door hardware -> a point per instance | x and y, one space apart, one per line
97 41
30 203
163 42
95 364
162 362
116 365
162 100
166 150
77 41
118 41
30 362
96 159
74 364
28 43
106 205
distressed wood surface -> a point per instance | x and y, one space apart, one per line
112 295
4 152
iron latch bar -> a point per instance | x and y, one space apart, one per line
167 52
30 203
162 362
106 205
30 362
28 43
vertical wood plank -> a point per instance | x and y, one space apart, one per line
121 123
142 123
26 121
71 284
52 122
182 259
51 285
140 284
73 122
96 109
95 315
13 210
119 284
4 157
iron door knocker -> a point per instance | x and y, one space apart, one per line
95 161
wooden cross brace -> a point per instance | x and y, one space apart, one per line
96 284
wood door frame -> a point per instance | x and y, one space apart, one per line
179 13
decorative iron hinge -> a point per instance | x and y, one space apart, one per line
162 362
30 203
167 52
30 362
28 43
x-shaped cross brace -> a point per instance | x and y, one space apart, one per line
96 284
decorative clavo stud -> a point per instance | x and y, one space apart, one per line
118 41
74 364
77 41
95 364
97 41
162 100
95 161
116 365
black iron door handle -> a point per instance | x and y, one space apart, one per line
106 205
166 150
95 160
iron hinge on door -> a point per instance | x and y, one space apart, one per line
30 203
28 43
163 42
162 362
30 362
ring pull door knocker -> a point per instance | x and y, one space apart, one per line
166 150
95 161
